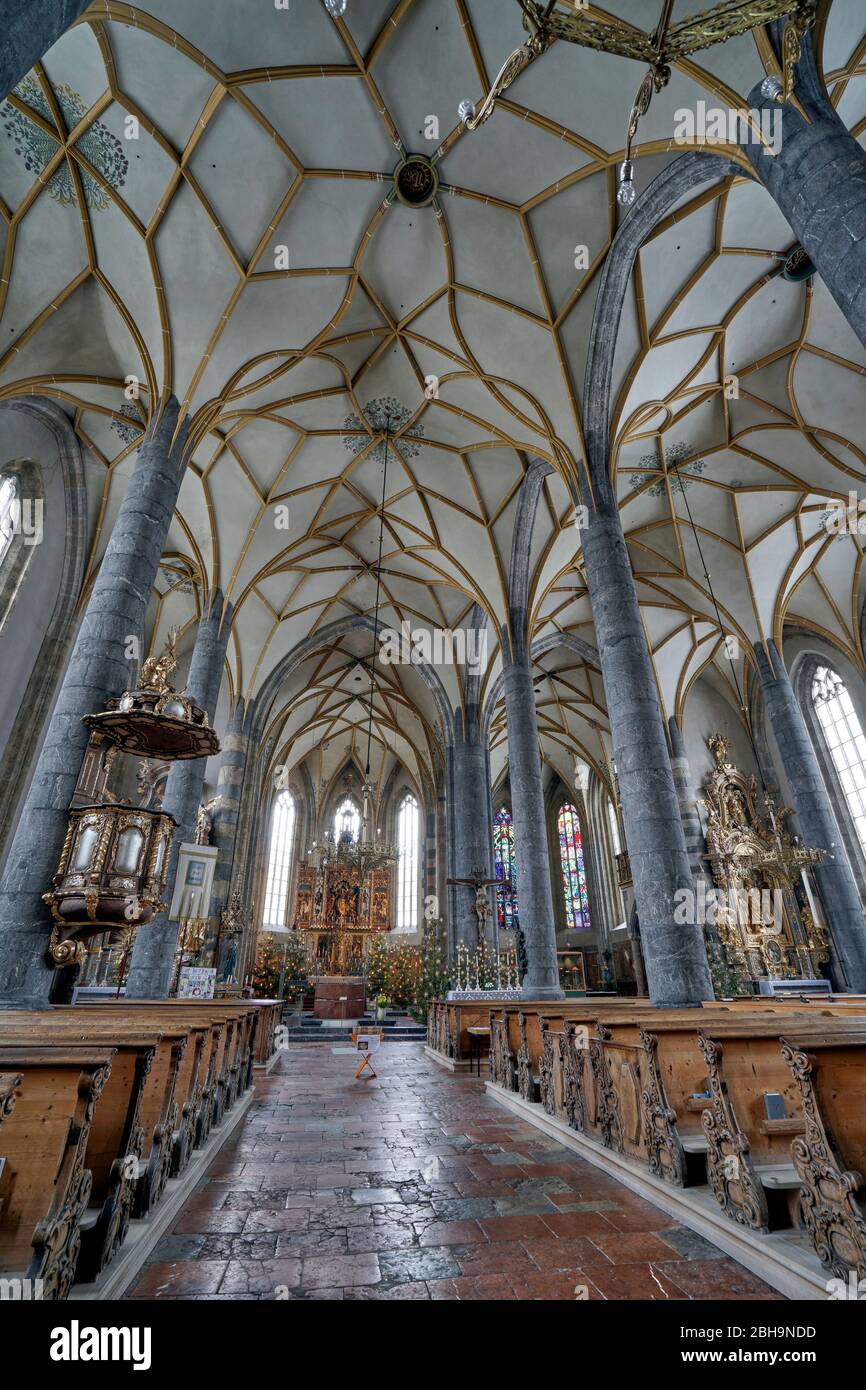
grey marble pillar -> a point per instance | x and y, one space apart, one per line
674 955
441 889
818 180
226 813
469 825
818 826
692 828
98 669
28 29
535 901
152 963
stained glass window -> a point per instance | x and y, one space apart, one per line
407 865
279 862
844 738
573 871
505 867
347 821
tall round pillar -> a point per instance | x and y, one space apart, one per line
98 670
834 877
674 955
530 830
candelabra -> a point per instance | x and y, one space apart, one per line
480 970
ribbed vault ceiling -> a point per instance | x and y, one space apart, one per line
159 258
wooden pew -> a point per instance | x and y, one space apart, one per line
232 1062
680 1089
135 1124
44 1140
657 1057
829 1155
259 1019
9 1081
749 1155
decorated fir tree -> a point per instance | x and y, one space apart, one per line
434 976
266 972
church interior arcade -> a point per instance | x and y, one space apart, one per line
432 650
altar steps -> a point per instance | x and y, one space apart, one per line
396 1028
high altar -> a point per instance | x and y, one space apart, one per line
341 913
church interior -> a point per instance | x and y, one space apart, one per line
432 651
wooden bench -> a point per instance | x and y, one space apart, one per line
44 1140
659 1057
829 1155
251 1038
136 1123
229 1064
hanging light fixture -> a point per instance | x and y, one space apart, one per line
370 852
669 43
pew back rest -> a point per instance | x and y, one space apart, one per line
837 1072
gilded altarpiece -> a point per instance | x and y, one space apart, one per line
340 913
767 910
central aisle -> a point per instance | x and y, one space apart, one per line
416 1186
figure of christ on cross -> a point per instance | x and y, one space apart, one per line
481 884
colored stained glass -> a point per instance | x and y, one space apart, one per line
573 870
505 867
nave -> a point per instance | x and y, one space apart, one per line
417 1186
432 654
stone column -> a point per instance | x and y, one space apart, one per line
226 813
29 30
817 822
535 902
150 969
441 889
818 180
674 956
469 824
692 829
98 669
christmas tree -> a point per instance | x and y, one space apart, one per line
394 971
433 980
266 973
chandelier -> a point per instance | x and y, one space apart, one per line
668 43
367 853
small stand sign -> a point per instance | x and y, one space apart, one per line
196 982
366 1044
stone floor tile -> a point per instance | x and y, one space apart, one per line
412 1187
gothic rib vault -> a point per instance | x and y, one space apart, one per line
158 258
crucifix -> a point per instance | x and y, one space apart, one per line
480 884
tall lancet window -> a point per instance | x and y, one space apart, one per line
347 821
279 862
9 503
614 828
573 870
407 865
505 867
844 738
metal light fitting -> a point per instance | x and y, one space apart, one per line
546 23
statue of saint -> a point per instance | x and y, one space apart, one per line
203 826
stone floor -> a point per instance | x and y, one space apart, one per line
416 1186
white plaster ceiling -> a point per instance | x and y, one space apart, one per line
156 257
